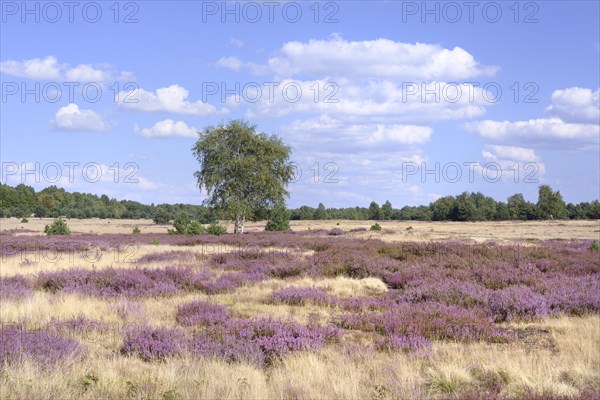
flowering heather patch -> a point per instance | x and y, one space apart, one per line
402 342
516 302
575 295
335 232
231 281
201 313
46 349
359 304
299 296
152 344
428 319
449 291
122 282
15 288
179 256
261 341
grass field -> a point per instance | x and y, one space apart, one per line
443 310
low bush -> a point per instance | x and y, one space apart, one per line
58 227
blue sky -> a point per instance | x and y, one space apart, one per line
387 100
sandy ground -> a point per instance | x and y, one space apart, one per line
504 231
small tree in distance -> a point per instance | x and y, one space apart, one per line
279 219
241 170
58 227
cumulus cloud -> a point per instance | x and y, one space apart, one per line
375 101
72 118
168 99
510 163
230 62
326 129
547 132
576 104
36 68
169 128
575 124
495 152
375 59
49 68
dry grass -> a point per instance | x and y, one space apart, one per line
503 231
344 371
562 356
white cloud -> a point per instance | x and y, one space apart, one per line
233 63
509 152
552 132
49 68
168 99
576 104
35 68
87 73
511 163
325 129
373 102
71 118
375 59
170 128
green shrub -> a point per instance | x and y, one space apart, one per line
593 246
375 227
279 219
155 242
58 227
136 230
216 229
24 220
195 228
181 223
161 216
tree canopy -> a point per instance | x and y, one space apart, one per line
242 171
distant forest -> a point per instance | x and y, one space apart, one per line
23 201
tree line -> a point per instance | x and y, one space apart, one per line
464 207
22 201
246 173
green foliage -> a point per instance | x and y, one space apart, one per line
241 170
386 210
185 226
58 227
593 246
161 216
136 230
443 208
216 229
24 220
279 219
320 213
374 211
375 227
550 204
195 228
465 208
155 243
181 223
